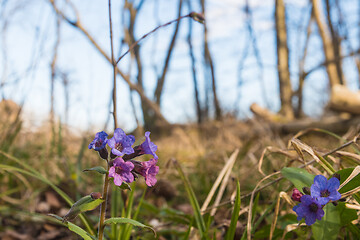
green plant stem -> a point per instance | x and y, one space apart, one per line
103 205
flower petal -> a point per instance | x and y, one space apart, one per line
321 182
334 196
119 134
128 177
310 219
112 172
323 200
333 184
118 180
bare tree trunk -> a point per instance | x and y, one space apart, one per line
336 43
283 61
209 64
192 57
327 44
302 75
345 37
161 80
130 39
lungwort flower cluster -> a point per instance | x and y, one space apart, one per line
321 192
123 167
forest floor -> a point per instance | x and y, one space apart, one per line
201 150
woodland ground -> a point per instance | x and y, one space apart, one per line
201 150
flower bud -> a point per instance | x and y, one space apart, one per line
336 175
95 195
296 195
112 156
199 17
306 190
103 153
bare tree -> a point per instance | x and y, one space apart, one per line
193 70
209 65
52 83
329 52
336 42
155 109
302 74
283 61
251 42
161 79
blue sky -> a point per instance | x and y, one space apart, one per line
29 41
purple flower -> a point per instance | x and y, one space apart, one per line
148 147
325 190
296 195
148 170
120 143
310 209
121 171
99 141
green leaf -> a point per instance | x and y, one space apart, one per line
264 232
328 227
81 232
235 215
298 176
135 223
353 183
76 229
84 204
125 186
335 218
96 169
347 215
56 216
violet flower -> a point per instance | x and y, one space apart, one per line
120 143
325 190
121 171
148 147
99 141
310 209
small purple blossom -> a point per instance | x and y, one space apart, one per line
296 195
310 209
121 171
120 143
148 147
99 141
325 190
148 170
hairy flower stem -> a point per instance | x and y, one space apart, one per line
103 205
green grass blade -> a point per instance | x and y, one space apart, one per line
53 186
127 228
130 227
193 201
235 215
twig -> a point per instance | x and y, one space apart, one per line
147 34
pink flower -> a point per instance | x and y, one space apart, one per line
148 170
